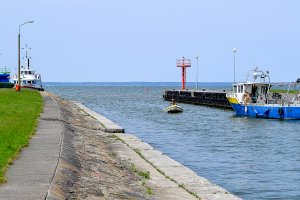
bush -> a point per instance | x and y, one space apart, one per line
6 85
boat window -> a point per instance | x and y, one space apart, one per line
29 82
264 89
29 72
240 89
234 89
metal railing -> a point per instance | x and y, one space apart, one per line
183 62
4 70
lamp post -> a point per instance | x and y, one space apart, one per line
18 86
234 51
197 57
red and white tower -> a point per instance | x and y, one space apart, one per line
183 63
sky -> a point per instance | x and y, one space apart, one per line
134 40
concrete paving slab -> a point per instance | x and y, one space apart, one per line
178 171
135 144
32 169
208 188
46 146
39 179
163 161
45 139
172 194
48 124
21 193
47 136
109 126
151 153
127 136
162 182
219 197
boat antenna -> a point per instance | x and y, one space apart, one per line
269 86
27 54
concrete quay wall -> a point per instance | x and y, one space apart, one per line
165 172
207 98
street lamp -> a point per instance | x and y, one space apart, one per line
197 57
18 86
234 51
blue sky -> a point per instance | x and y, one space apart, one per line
134 40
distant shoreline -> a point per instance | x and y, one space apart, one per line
162 84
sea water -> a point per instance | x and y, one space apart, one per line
252 158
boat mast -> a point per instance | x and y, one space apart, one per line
27 57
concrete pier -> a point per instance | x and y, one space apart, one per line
208 98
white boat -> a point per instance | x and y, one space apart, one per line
173 109
29 78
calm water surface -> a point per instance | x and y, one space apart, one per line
252 158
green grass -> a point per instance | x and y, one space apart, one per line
149 190
284 91
143 174
19 112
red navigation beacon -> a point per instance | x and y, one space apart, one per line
183 63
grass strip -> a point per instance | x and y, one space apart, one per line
19 112
284 91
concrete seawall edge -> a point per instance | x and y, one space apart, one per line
170 169
108 125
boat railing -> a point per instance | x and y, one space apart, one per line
231 94
4 70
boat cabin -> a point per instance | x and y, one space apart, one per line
251 92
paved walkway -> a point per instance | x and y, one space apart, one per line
31 174
30 177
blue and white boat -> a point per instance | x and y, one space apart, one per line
4 75
253 98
